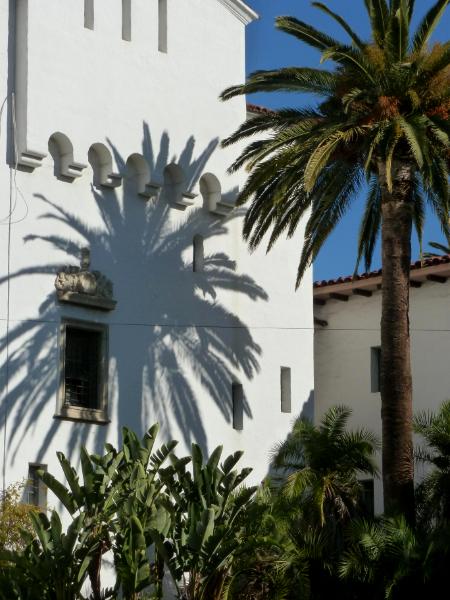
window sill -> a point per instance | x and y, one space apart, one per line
87 415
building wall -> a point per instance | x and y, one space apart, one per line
177 339
342 356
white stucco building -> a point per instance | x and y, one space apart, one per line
109 142
347 344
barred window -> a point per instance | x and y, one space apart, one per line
84 367
83 355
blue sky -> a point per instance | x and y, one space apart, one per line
268 48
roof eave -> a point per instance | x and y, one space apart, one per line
418 277
241 10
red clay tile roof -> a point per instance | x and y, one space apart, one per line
428 262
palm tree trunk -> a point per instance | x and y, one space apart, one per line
395 376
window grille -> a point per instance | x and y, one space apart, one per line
83 392
83 354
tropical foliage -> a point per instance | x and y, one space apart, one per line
434 490
380 131
305 533
15 516
321 465
149 516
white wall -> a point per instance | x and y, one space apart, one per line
342 356
177 339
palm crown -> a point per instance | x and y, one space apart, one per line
385 107
321 464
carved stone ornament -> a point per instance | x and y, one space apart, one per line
79 285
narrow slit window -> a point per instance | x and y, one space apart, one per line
285 379
237 392
126 20
199 254
375 369
162 25
368 498
89 14
36 490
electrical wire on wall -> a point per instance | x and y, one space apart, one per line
14 194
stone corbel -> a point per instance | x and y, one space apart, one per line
223 208
71 169
30 159
150 191
110 180
186 199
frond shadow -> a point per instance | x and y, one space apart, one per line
169 335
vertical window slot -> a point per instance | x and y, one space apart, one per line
199 254
285 380
126 20
36 490
237 392
368 498
89 14
162 25
375 369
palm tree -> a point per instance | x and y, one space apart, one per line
434 491
320 494
321 465
384 118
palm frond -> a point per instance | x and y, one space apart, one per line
345 26
378 12
289 79
370 225
428 25
341 185
306 33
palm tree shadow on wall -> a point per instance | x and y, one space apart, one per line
170 337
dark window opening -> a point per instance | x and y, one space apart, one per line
237 392
375 369
83 354
367 498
